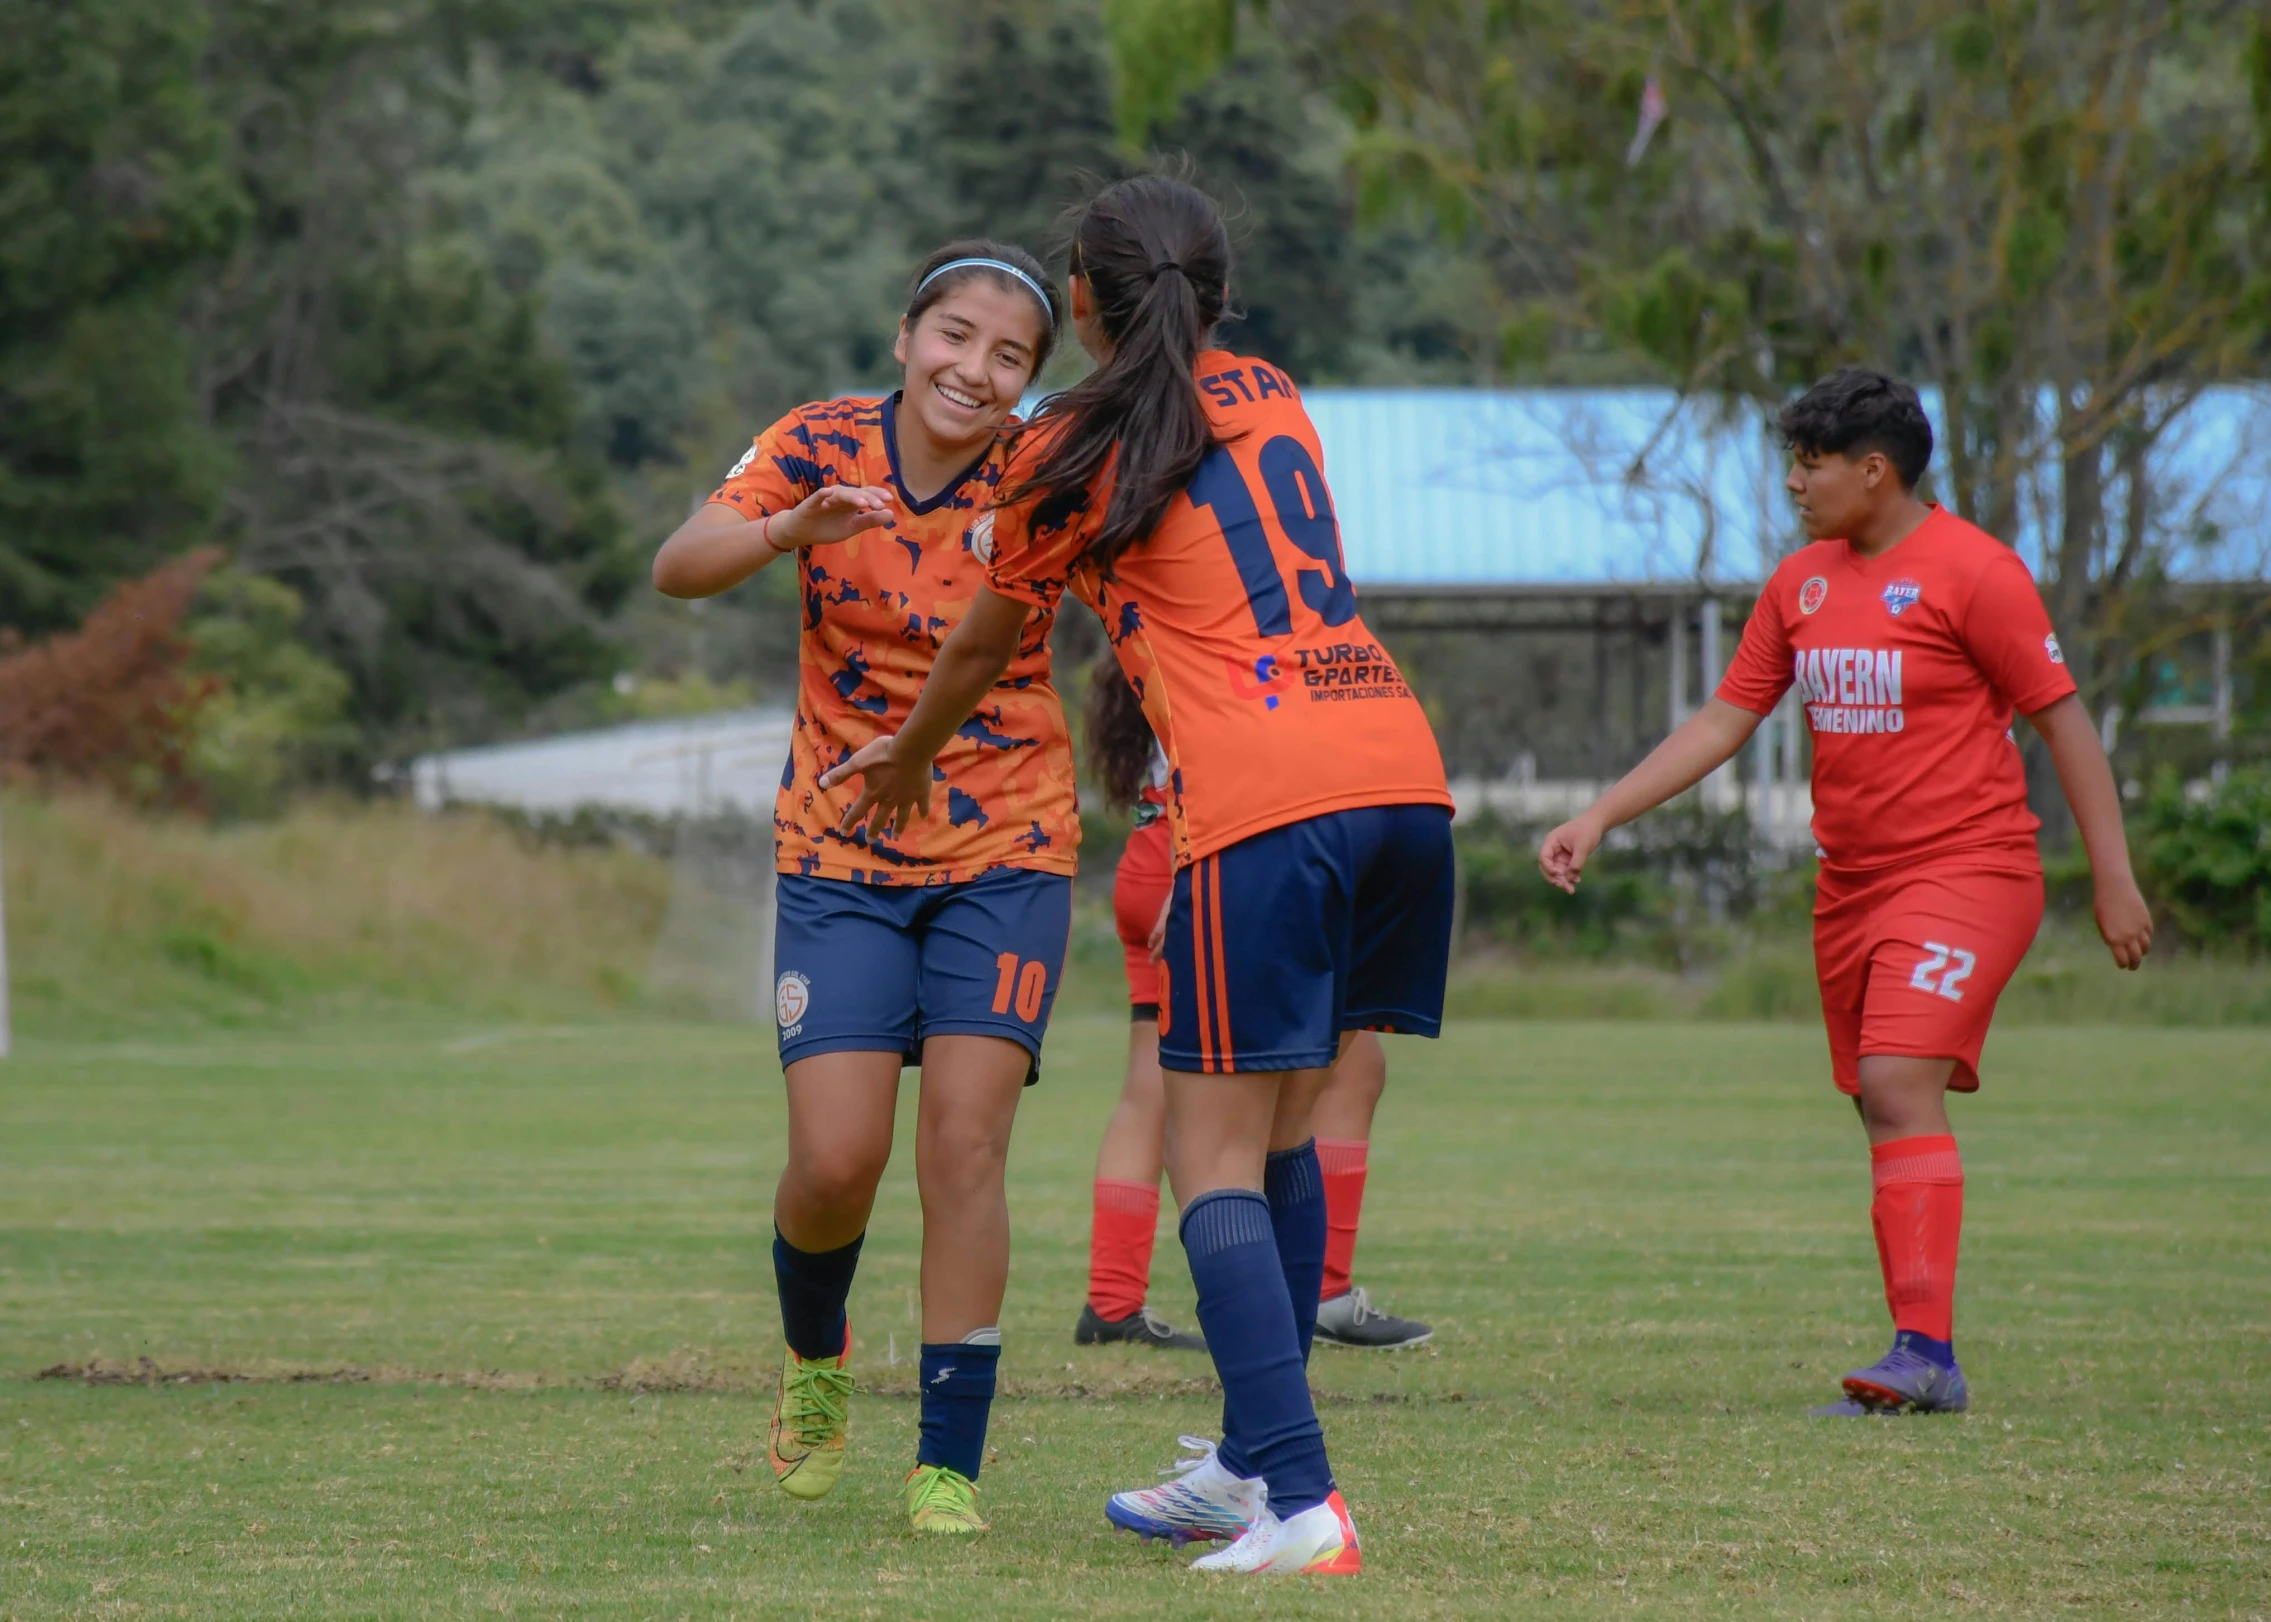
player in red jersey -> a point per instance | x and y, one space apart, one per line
1179 491
1130 768
1911 637
943 945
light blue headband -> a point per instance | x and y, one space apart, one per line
1048 308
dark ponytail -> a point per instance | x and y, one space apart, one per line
1119 738
1157 261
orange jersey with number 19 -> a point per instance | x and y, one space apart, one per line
1237 625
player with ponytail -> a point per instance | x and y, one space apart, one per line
1128 766
1179 491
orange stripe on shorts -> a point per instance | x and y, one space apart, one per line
1221 964
1199 967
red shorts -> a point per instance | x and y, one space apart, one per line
1139 891
1911 962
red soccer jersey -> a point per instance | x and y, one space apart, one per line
876 608
1237 626
1909 665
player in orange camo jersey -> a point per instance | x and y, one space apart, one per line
945 942
1911 637
1180 492
1131 772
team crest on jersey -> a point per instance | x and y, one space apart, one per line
982 538
792 1000
2051 647
1901 596
1812 595
748 456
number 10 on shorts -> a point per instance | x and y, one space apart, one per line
1027 987
1956 963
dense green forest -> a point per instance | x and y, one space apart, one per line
429 317
434 315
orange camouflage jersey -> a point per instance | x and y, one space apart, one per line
876 608
1236 624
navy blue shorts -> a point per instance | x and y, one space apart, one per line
876 968
1281 942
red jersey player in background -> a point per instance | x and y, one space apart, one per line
1131 770
1911 637
1179 491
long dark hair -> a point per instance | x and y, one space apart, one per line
921 297
1157 262
1119 738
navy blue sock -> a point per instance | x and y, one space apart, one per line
1256 1345
1294 1184
814 1286
958 1396
1942 1352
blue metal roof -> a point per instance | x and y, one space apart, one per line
1497 488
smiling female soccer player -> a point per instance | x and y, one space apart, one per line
944 943
1179 492
1911 637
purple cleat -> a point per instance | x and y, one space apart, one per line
1903 1381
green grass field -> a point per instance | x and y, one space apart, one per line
445 1321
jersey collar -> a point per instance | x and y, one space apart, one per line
1861 565
891 450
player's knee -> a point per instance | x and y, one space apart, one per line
961 1158
838 1177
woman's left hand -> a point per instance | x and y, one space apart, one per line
896 792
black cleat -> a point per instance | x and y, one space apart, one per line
1142 1327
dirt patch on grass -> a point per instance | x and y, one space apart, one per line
678 1374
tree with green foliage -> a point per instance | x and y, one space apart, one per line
2058 218
117 192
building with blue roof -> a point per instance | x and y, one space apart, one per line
1566 570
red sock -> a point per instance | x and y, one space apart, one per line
1342 1160
1918 1215
1119 1246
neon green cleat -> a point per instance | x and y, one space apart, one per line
810 1418
942 1500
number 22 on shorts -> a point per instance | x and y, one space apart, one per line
1026 988
1957 963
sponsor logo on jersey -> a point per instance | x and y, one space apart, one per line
1349 670
1262 678
2051 647
1812 595
1850 690
792 1000
1901 596
982 538
748 456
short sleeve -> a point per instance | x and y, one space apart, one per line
1761 673
2008 634
775 473
1033 544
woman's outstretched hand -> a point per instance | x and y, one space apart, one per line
832 513
1563 856
895 792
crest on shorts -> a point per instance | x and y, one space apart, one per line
1901 596
1812 595
792 999
981 538
2051 647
